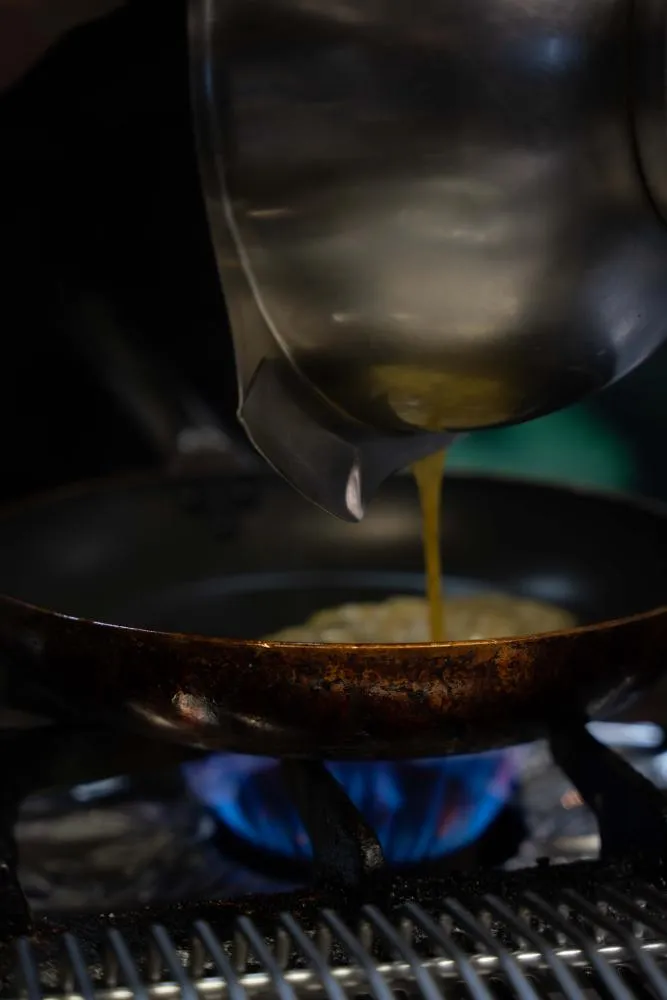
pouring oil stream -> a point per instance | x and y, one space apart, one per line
428 473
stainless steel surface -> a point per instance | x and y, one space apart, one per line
570 948
428 215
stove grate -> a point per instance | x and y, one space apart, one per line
572 943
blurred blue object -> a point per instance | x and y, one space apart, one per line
421 810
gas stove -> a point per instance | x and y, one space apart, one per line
227 825
136 869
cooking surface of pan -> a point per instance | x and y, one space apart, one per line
239 558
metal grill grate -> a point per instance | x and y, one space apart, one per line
604 943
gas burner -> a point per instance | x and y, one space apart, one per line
340 915
351 924
422 811
227 826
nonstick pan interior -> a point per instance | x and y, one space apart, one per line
240 558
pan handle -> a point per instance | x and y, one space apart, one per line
179 427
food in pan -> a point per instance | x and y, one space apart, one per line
406 619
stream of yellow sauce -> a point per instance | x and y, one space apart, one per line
428 473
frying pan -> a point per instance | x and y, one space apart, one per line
144 601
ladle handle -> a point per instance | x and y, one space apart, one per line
178 425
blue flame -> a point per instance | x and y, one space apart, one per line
421 810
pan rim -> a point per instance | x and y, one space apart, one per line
319 649
81 488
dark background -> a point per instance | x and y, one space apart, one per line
99 197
